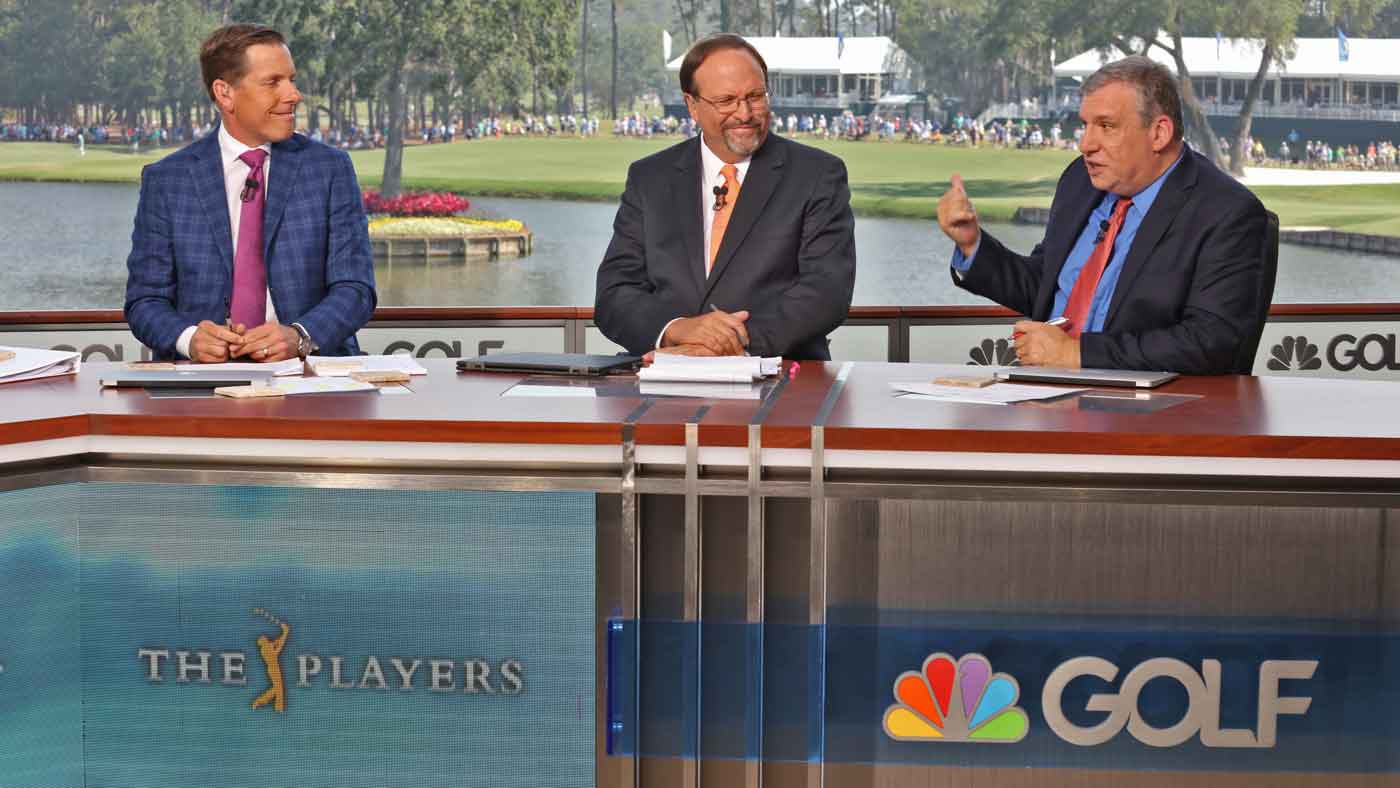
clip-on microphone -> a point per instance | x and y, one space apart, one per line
720 191
250 187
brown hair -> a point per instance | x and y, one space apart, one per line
223 53
708 46
1156 89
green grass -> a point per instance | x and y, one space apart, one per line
887 179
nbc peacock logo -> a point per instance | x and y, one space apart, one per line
962 701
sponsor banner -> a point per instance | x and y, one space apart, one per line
169 636
987 344
1352 349
1001 691
461 342
421 342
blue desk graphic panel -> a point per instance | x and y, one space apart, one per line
157 636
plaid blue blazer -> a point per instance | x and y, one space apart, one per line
315 243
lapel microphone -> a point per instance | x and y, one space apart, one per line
250 187
720 191
1103 230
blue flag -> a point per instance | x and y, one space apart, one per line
1343 51
1218 36
840 43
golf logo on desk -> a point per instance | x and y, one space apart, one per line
962 701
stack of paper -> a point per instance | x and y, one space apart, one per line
22 363
669 367
342 366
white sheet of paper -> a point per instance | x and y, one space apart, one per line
995 394
294 386
342 366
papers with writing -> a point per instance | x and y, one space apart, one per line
674 368
999 394
341 366
30 363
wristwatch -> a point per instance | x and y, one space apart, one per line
305 346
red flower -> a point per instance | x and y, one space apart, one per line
416 204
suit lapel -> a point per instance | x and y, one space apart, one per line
208 173
759 183
281 179
1086 199
1163 212
691 212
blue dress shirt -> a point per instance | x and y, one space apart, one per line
1084 247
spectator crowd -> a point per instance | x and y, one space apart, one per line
960 129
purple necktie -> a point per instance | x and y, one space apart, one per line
249 305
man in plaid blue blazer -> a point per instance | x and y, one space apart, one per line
319 275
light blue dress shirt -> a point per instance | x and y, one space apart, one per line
1084 247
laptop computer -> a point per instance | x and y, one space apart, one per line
1124 378
550 363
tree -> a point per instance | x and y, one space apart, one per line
396 34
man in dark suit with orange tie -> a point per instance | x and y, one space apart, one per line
736 241
1152 258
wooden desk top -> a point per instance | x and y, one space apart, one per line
1231 417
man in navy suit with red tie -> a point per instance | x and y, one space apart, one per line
1152 258
252 242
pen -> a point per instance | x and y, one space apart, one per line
1061 322
713 308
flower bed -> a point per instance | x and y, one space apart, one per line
440 226
416 204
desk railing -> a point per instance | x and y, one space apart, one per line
1311 340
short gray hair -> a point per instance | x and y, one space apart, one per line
1157 90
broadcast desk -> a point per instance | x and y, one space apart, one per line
1231 551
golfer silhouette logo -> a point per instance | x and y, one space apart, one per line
271 651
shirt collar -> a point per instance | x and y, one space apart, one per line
230 149
1142 201
712 164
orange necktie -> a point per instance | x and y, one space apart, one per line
1082 296
731 183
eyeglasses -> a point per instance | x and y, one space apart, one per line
728 105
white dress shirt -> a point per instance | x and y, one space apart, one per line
235 173
710 177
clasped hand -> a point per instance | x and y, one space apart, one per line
213 343
715 333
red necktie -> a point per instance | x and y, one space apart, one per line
249 305
1082 296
